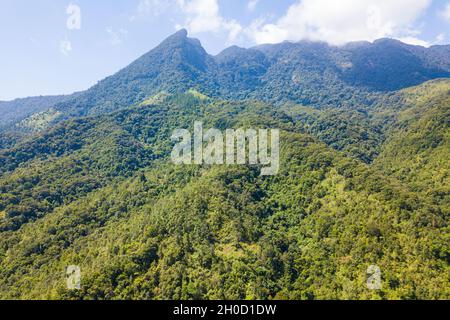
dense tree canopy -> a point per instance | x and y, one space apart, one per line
357 187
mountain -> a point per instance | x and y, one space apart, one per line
364 179
175 65
418 148
306 73
309 73
17 110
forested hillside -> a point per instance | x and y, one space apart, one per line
357 187
12 112
364 178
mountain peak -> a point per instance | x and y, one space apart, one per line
180 38
182 33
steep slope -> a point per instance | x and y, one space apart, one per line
174 66
417 152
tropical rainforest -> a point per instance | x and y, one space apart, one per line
364 179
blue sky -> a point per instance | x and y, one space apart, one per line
59 46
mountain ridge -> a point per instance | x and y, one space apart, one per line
306 72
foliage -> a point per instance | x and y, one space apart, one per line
100 193
87 179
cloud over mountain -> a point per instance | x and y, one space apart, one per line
338 22
205 16
335 22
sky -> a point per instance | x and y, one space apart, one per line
58 47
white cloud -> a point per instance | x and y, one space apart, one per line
440 38
65 47
252 5
415 41
198 15
204 16
446 12
116 37
338 22
152 8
